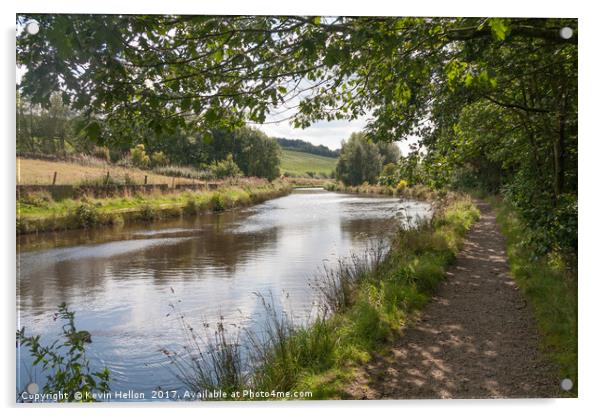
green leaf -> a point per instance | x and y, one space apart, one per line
500 28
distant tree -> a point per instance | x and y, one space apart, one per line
359 161
389 152
256 154
303 146
44 129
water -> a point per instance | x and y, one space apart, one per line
121 282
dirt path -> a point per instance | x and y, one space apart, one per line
476 339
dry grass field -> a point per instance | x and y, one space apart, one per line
41 172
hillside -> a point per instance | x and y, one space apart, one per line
297 163
307 147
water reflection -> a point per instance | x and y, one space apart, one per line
120 282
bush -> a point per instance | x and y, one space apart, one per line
389 175
159 159
226 168
218 202
66 362
401 186
148 213
139 157
86 215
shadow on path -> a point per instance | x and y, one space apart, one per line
476 339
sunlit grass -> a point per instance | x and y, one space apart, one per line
551 289
300 163
38 212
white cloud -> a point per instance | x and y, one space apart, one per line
327 133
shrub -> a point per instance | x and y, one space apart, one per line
226 168
401 186
66 362
139 157
191 207
159 159
218 202
148 213
86 215
389 175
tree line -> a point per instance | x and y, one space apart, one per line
56 130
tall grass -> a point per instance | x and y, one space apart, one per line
38 212
211 360
415 192
183 172
365 300
550 285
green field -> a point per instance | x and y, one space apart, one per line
299 163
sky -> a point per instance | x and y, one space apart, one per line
329 134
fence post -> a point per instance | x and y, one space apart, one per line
107 180
145 179
54 178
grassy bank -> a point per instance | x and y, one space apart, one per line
365 302
37 212
550 286
420 192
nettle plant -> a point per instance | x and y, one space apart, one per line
65 361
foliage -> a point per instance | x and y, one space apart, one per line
389 175
218 203
401 185
389 153
40 199
69 214
226 168
86 215
159 159
66 361
139 157
258 155
359 161
499 94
